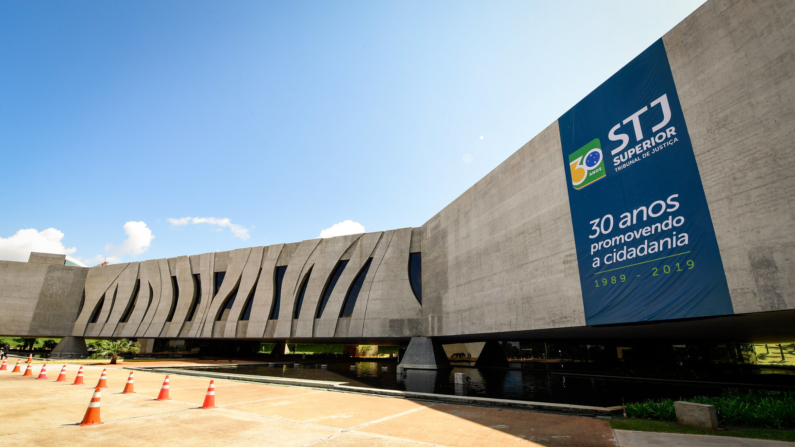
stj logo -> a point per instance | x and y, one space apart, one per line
587 164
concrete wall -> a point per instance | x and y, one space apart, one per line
385 308
734 67
501 257
39 299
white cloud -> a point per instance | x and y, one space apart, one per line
19 246
237 230
468 158
139 238
343 228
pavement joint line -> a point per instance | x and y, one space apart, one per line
377 435
277 418
270 398
413 410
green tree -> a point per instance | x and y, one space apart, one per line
115 348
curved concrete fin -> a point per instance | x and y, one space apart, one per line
163 307
187 289
98 279
123 296
327 324
93 330
392 309
356 325
206 267
263 295
148 272
248 280
237 261
326 257
295 272
156 284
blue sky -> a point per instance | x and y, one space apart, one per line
273 121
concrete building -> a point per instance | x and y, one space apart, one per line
500 262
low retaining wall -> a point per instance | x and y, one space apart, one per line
344 387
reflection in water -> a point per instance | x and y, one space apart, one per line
514 384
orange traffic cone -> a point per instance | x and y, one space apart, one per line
92 413
209 399
30 358
103 379
164 391
16 367
43 372
62 375
128 389
4 367
79 378
28 371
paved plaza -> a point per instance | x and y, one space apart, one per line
43 412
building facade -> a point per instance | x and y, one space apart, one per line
697 128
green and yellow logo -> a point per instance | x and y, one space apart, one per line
587 165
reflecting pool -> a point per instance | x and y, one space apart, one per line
516 384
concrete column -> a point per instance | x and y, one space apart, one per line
424 353
147 345
492 356
70 348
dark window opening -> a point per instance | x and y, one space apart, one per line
250 300
150 300
113 300
353 292
301 294
229 303
335 276
82 302
131 305
197 296
415 275
95 314
278 278
219 279
174 298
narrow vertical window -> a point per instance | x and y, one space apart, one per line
174 298
353 292
82 302
335 276
250 300
301 294
219 279
228 306
133 300
415 275
197 296
278 278
95 314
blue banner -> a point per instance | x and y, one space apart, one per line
646 247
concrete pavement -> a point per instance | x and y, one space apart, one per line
43 413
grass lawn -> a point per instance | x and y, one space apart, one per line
667 427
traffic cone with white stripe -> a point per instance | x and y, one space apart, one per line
30 358
209 399
28 371
128 389
79 378
103 379
62 375
4 366
164 391
16 367
92 413
43 372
